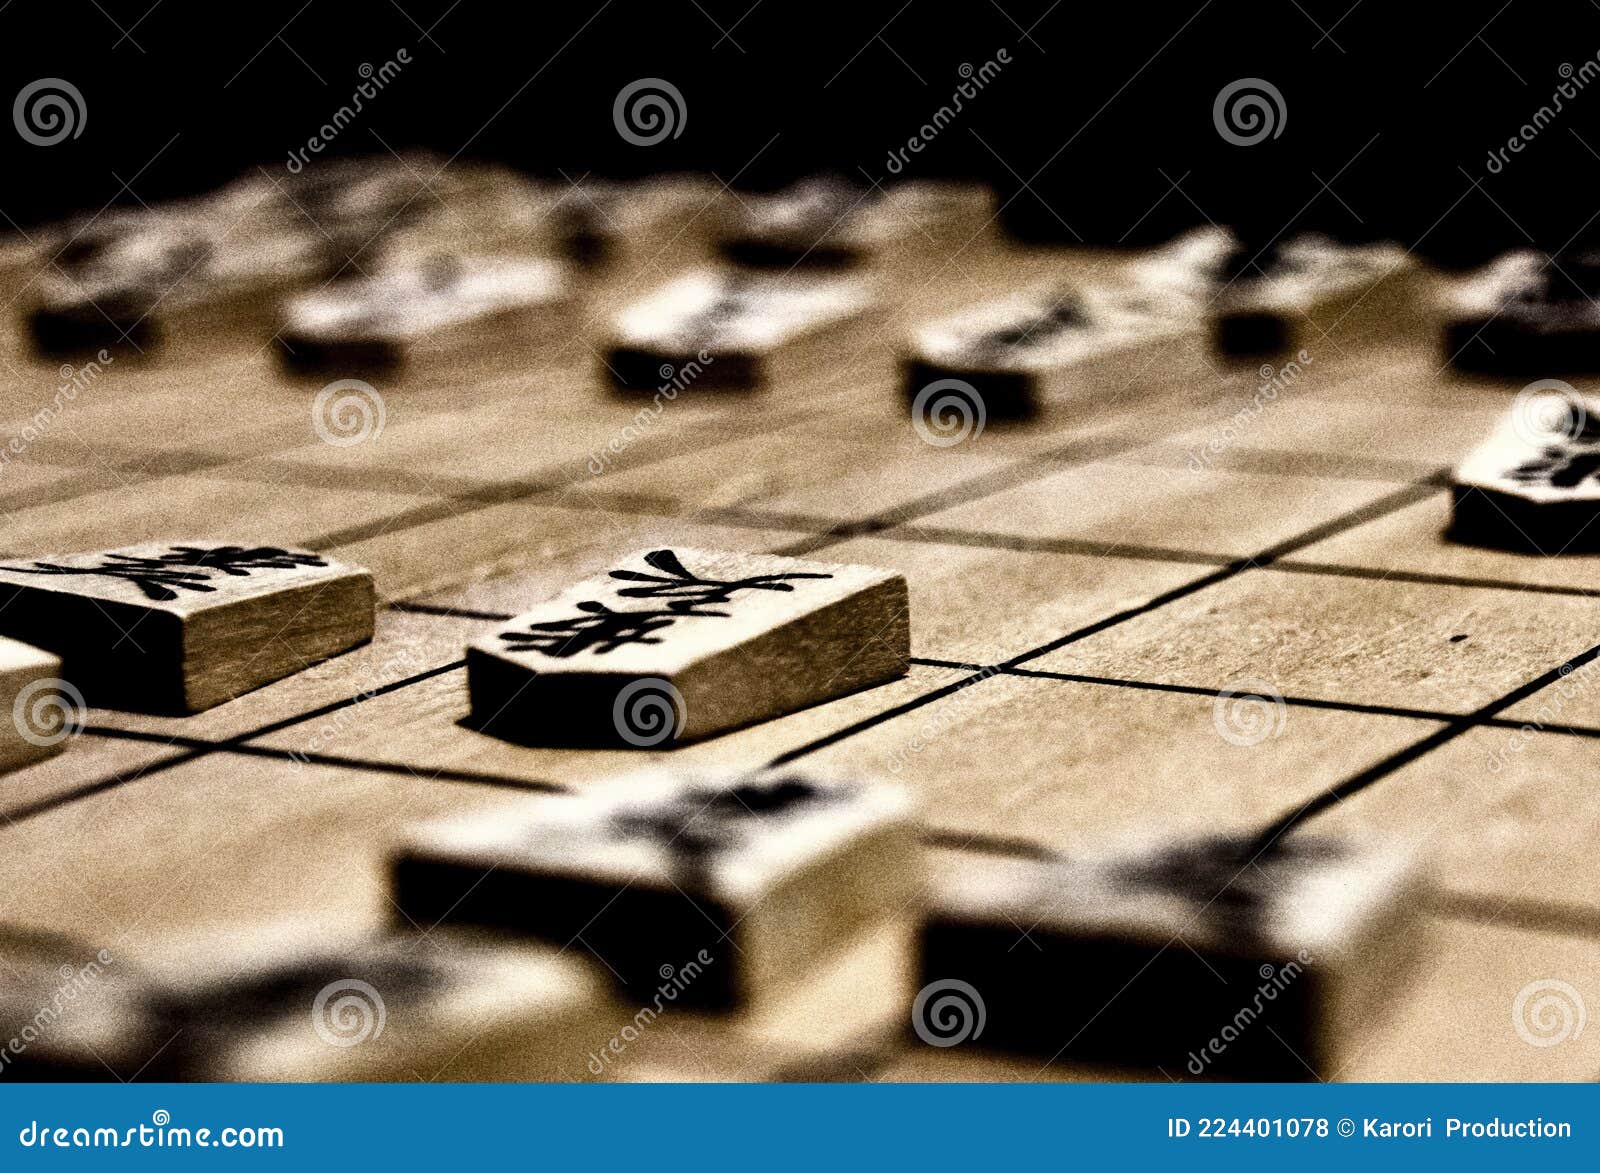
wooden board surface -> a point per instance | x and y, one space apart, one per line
1083 587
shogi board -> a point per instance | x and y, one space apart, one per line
1091 592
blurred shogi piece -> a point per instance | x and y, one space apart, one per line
70 1012
428 309
214 261
1532 486
36 712
1201 959
105 281
674 644
831 223
179 627
635 233
1527 313
737 330
1021 352
404 1008
351 212
730 889
1285 296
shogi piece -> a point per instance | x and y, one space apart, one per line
830 223
726 890
374 323
710 328
1286 296
400 1009
110 282
180 627
1533 485
70 1013
1201 959
36 711
629 229
675 644
1526 314
1020 352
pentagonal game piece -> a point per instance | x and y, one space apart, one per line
729 889
1286 295
1526 313
177 627
1205 958
405 1008
830 223
1019 352
1532 485
674 644
37 709
739 330
372 323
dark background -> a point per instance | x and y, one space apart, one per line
1101 127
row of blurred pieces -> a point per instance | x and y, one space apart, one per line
768 926
353 268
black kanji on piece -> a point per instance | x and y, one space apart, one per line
603 630
701 821
161 577
1559 468
1064 315
599 628
689 591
